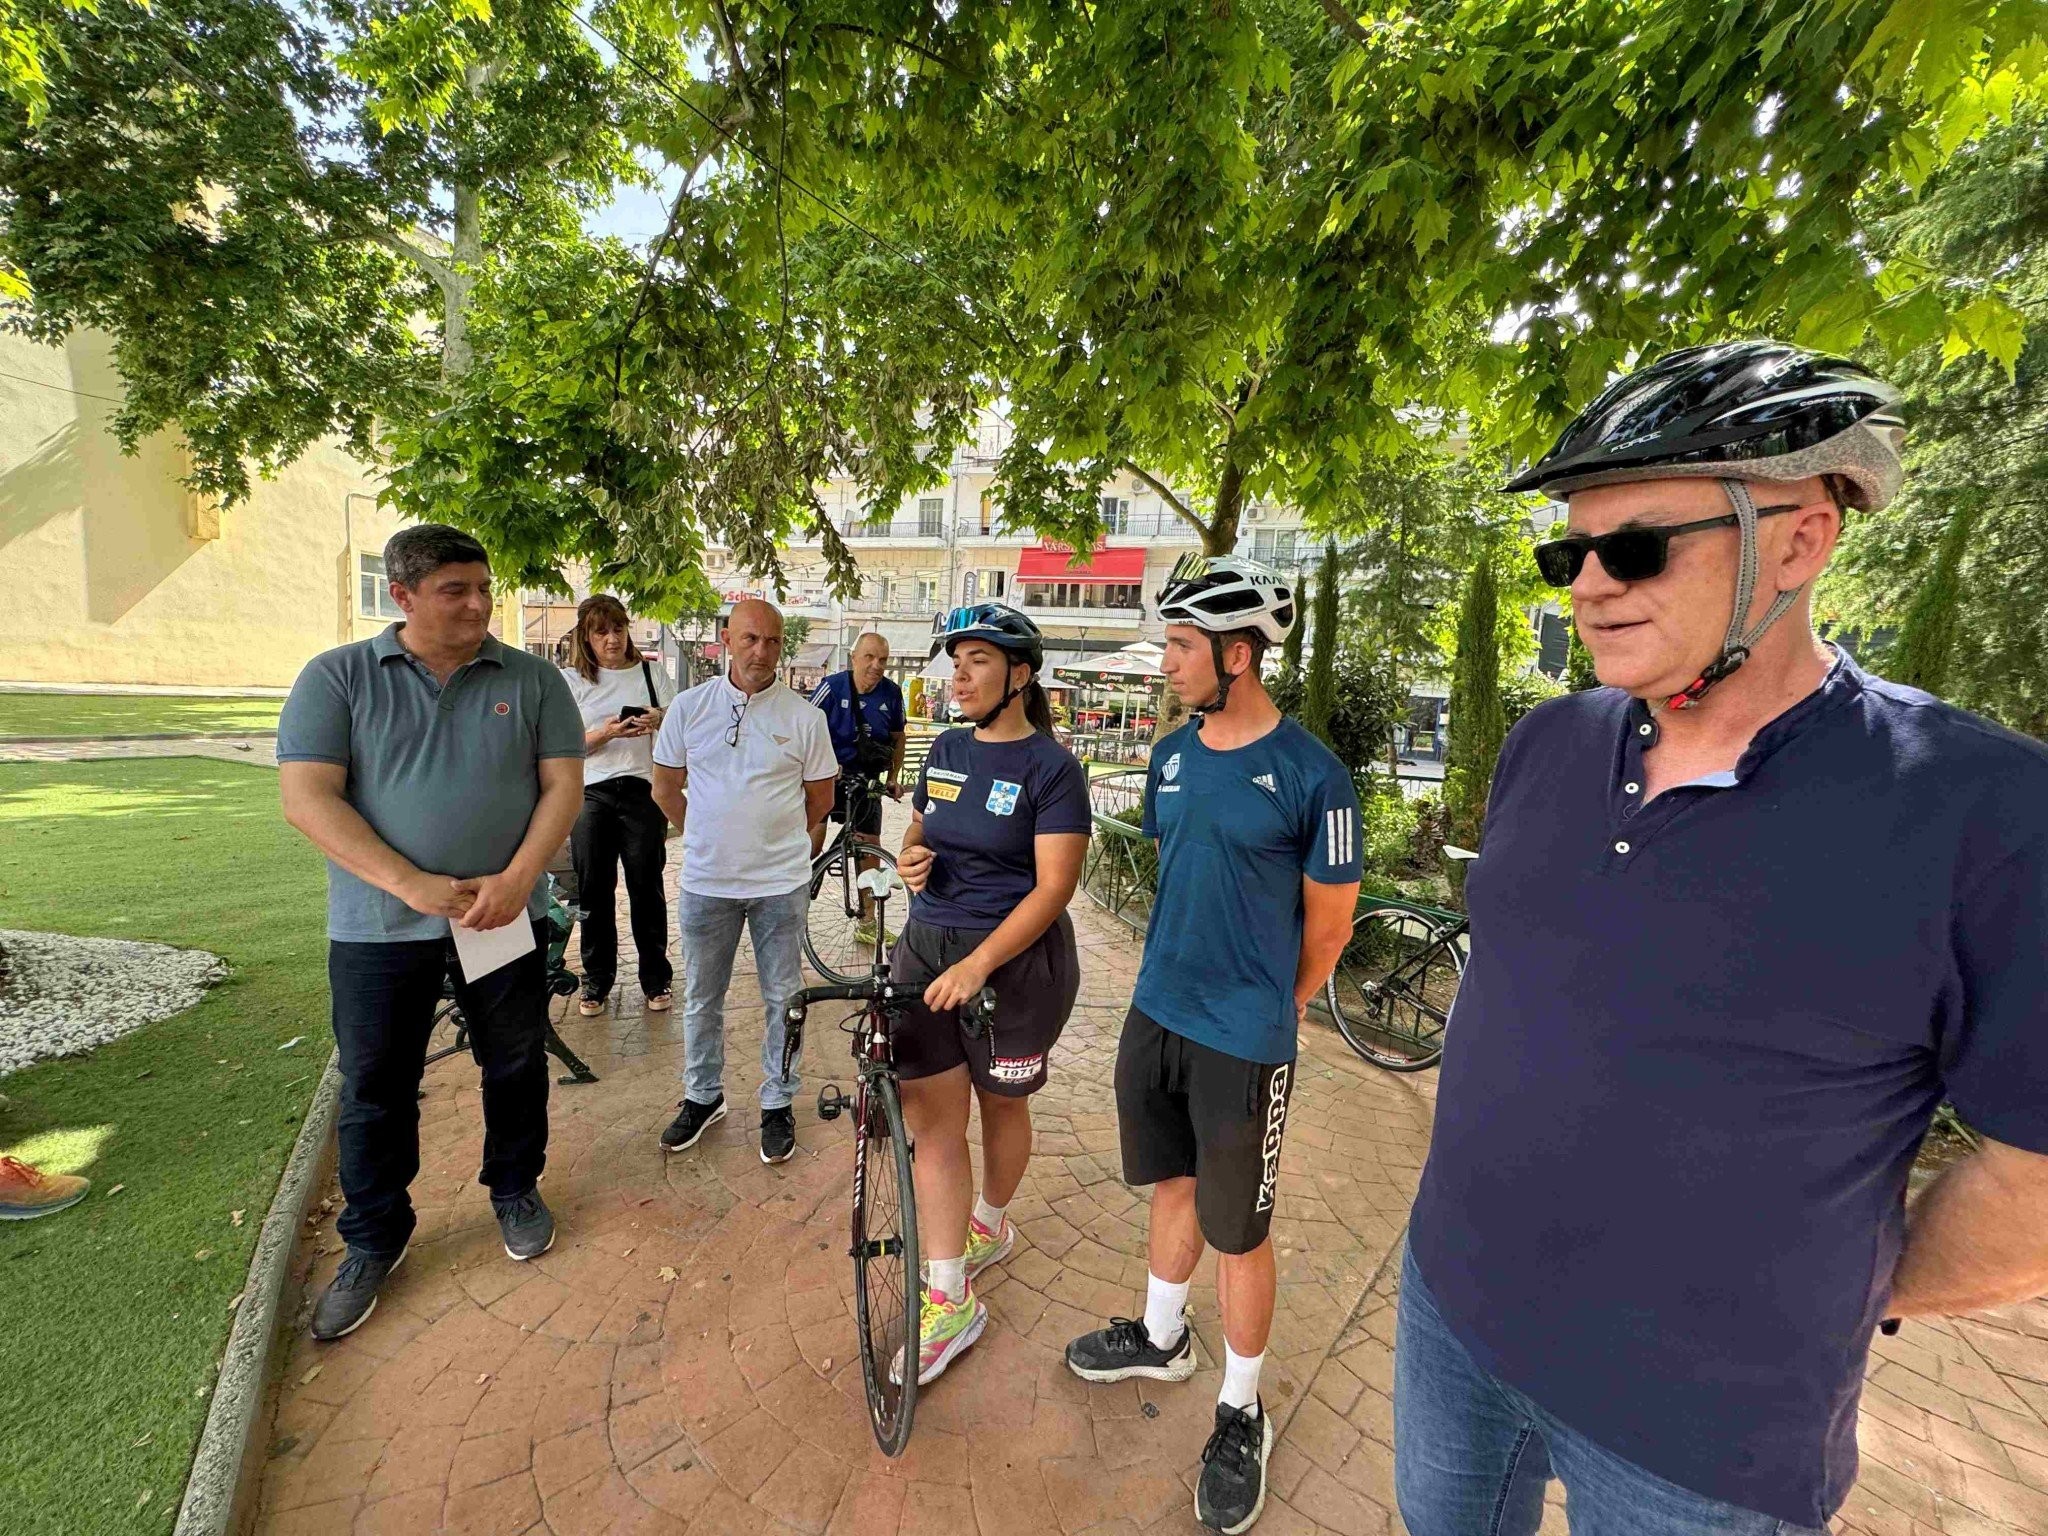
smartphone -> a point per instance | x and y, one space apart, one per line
631 711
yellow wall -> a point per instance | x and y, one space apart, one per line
106 574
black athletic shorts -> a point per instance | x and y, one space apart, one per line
1034 995
1186 1110
871 823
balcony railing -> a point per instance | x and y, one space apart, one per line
1107 618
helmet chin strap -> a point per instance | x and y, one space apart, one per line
990 718
1737 643
1224 679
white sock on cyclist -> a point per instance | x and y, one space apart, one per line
948 1277
1164 1304
990 1216
1241 1379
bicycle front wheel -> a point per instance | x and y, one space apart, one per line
887 1291
1392 990
840 931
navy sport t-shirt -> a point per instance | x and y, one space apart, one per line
1695 1049
880 708
983 802
1237 830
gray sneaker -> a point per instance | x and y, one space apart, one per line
351 1296
528 1229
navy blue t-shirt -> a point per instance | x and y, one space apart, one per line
1695 1050
1237 831
983 802
881 708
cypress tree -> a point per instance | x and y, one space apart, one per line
1926 645
1478 719
1321 699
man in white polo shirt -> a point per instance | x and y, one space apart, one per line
757 762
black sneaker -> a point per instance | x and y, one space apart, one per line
1124 1349
526 1225
695 1119
778 1134
1233 1486
351 1296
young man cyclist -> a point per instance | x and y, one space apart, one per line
998 827
1257 825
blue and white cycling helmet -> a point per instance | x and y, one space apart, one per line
1008 629
1221 595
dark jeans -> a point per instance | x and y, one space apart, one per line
621 824
384 1000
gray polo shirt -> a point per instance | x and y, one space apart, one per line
449 776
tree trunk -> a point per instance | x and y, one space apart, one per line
1220 538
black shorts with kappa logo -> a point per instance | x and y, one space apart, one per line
1035 994
1187 1110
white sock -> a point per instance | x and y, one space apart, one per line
990 1216
948 1276
1164 1303
1241 1379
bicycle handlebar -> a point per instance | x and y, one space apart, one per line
874 990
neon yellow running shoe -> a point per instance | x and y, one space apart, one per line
985 1247
946 1327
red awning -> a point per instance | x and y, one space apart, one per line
1118 565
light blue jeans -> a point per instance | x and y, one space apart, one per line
1472 1455
710 929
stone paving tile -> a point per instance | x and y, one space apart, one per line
587 1391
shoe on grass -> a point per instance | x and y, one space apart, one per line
526 1225
351 1296
691 1123
27 1192
778 1134
985 1247
1124 1349
1233 1486
946 1326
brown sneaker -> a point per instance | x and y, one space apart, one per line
26 1192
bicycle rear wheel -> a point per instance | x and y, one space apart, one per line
839 932
1392 990
887 1291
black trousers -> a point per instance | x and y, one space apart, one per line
384 1000
621 824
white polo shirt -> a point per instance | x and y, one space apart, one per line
746 835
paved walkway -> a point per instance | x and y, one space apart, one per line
684 1359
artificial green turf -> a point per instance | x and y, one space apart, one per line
110 1321
131 714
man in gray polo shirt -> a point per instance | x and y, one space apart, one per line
438 770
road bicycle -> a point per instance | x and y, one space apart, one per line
1391 992
887 1289
843 920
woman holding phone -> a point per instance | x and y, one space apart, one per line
623 696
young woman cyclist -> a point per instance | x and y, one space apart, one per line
998 827
623 697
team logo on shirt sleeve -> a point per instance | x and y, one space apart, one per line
1002 797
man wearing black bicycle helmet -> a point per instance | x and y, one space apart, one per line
999 824
1741 918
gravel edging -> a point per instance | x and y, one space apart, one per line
222 1470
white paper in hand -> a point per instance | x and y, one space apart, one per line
484 950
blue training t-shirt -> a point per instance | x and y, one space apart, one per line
983 802
847 709
1696 1047
1237 831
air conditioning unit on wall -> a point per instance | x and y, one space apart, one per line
1255 513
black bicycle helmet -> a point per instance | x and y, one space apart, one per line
998 624
1736 412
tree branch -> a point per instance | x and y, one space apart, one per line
1186 512
441 272
1344 21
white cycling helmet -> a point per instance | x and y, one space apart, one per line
1222 595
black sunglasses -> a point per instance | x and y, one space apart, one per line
1629 554
739 713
